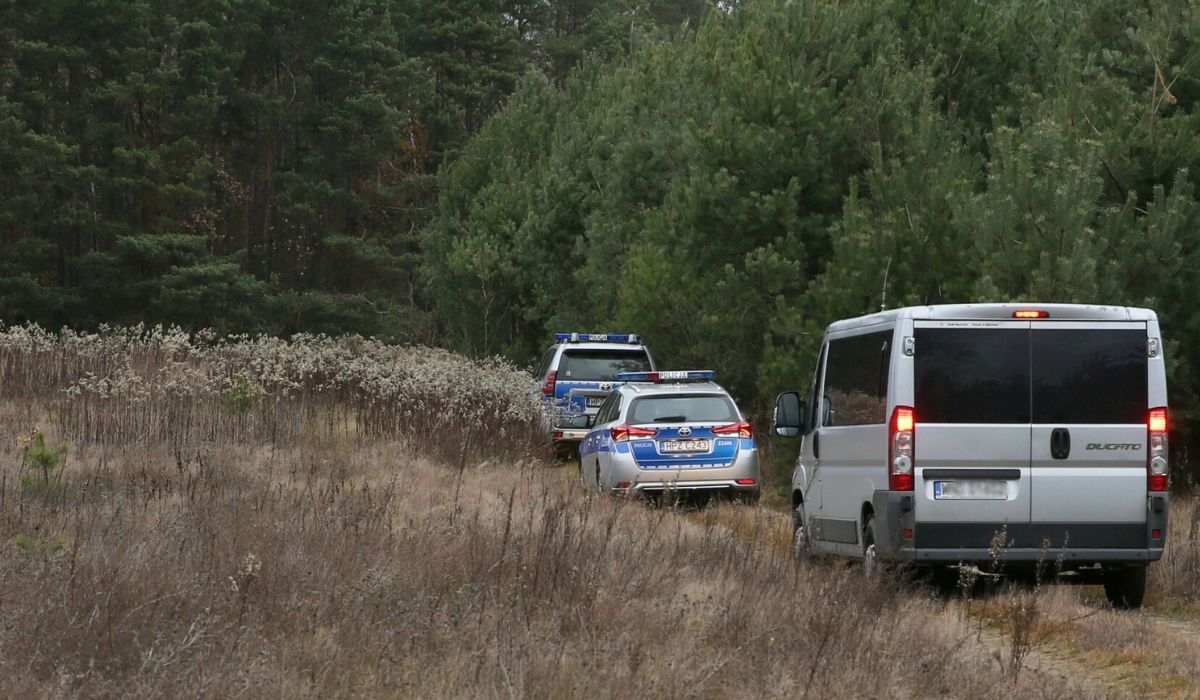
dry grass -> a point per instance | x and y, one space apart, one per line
358 569
1175 581
327 560
125 386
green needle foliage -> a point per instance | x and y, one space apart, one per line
40 458
729 192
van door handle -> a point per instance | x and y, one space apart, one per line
1060 443
816 437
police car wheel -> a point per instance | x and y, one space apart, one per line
599 486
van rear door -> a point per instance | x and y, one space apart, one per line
1090 406
973 427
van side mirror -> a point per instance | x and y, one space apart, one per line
789 414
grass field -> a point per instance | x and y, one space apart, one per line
271 519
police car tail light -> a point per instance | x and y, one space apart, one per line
623 433
551 380
742 429
902 437
1156 455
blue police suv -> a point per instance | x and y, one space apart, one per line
579 371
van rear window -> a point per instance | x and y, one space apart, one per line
1047 375
978 375
1089 376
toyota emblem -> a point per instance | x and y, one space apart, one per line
685 431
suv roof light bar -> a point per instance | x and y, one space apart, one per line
692 375
598 337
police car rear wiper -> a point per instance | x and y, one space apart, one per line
671 419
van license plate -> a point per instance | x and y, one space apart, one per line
594 401
673 446
968 490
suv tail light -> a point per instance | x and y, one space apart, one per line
743 430
622 433
551 380
1156 456
901 441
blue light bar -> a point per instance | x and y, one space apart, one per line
692 375
598 337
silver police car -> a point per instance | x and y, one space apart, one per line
670 431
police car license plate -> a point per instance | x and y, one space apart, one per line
665 446
593 401
971 490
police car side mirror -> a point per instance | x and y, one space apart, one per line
789 412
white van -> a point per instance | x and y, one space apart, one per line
971 433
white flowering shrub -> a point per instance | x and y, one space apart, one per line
128 385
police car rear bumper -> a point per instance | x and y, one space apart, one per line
711 484
569 435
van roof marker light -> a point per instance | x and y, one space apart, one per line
1031 313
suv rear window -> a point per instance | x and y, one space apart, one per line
977 375
712 408
1047 375
601 365
1089 376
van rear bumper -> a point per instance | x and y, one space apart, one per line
1079 543
1046 556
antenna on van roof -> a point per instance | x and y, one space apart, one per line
883 295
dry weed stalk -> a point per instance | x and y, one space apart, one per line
122 385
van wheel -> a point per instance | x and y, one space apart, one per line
801 545
1125 586
870 562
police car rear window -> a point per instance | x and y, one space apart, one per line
683 409
600 365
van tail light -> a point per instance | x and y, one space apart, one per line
1156 456
1031 313
551 380
622 433
901 441
742 430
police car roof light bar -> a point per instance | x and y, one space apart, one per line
598 337
693 375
